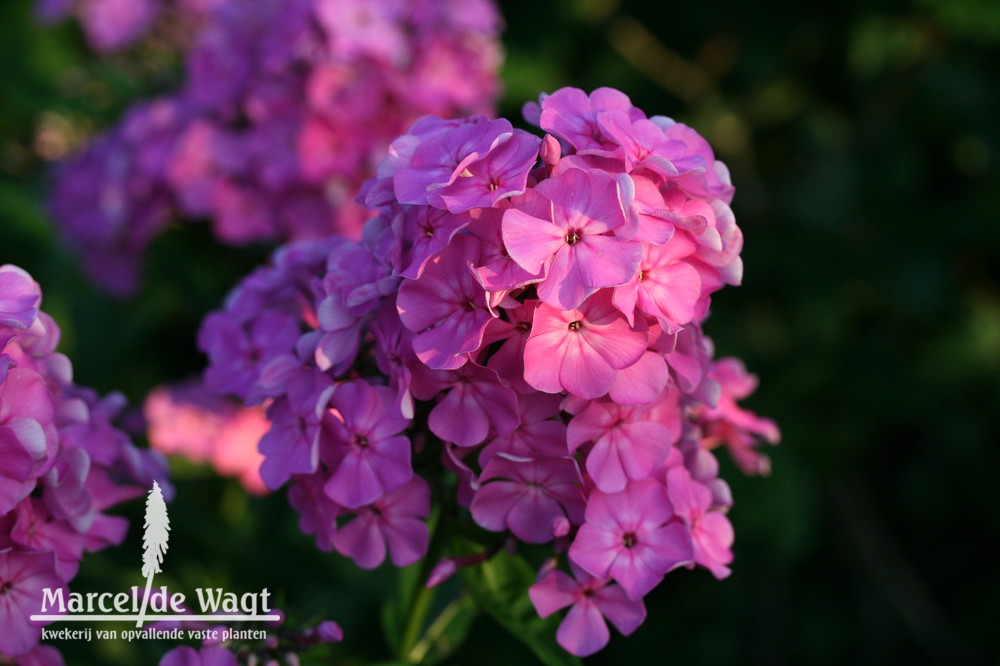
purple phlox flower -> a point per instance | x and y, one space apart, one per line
214 655
631 536
527 495
497 175
629 442
394 353
711 531
239 351
581 350
446 307
20 296
571 115
349 291
539 433
394 521
291 446
498 272
317 512
363 448
452 457
23 576
584 631
66 494
508 359
444 153
430 230
27 433
476 406
567 236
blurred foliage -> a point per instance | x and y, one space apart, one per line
863 141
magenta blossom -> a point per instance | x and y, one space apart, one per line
528 495
564 234
23 576
584 631
631 536
578 351
394 522
368 456
711 531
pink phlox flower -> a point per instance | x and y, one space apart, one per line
584 631
713 226
363 448
540 432
711 531
739 429
446 307
567 237
526 496
476 406
642 382
631 536
23 576
703 176
629 442
667 284
581 350
395 522
570 114
689 362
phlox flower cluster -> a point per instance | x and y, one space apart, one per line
525 312
62 465
286 108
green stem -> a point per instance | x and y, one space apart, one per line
415 621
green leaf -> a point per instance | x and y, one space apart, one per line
500 587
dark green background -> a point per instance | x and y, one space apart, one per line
863 141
